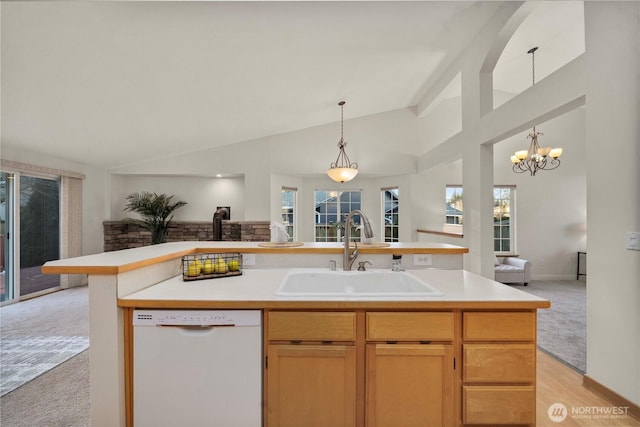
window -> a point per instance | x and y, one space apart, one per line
331 208
288 203
502 219
390 201
454 205
503 214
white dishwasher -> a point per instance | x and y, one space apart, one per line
197 368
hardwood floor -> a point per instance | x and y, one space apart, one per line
558 383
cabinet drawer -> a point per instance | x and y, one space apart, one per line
497 326
311 326
498 405
501 363
382 326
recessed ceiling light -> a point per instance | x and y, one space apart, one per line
218 175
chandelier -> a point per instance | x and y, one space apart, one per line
342 170
535 158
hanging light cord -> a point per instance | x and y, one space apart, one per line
532 51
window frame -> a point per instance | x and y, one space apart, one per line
512 249
333 230
390 231
290 219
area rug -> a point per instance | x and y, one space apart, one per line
25 358
562 329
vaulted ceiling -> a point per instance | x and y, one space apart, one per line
113 83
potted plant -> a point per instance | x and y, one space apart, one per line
156 211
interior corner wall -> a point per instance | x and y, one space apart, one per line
407 226
613 195
428 199
277 183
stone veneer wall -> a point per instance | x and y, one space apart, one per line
122 235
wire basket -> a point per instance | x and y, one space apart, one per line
211 266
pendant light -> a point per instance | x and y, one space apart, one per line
342 170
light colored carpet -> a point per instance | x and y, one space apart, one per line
562 329
24 358
59 397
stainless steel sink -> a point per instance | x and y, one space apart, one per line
372 283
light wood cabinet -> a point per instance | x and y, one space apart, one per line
409 385
408 326
499 405
504 363
499 368
375 368
409 378
311 326
311 369
311 385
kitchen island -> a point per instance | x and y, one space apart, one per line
477 337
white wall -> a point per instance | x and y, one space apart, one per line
613 194
202 194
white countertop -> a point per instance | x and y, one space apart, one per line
257 287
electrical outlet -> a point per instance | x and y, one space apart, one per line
633 240
248 259
422 259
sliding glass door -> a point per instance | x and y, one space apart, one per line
7 191
39 232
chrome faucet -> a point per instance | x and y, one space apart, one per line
348 257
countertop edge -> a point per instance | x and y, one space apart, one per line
335 305
99 264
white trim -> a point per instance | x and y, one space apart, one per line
35 170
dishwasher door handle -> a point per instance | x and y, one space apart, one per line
197 331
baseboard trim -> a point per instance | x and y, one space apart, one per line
612 396
552 277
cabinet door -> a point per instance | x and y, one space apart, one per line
311 385
409 385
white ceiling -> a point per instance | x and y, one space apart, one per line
115 83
